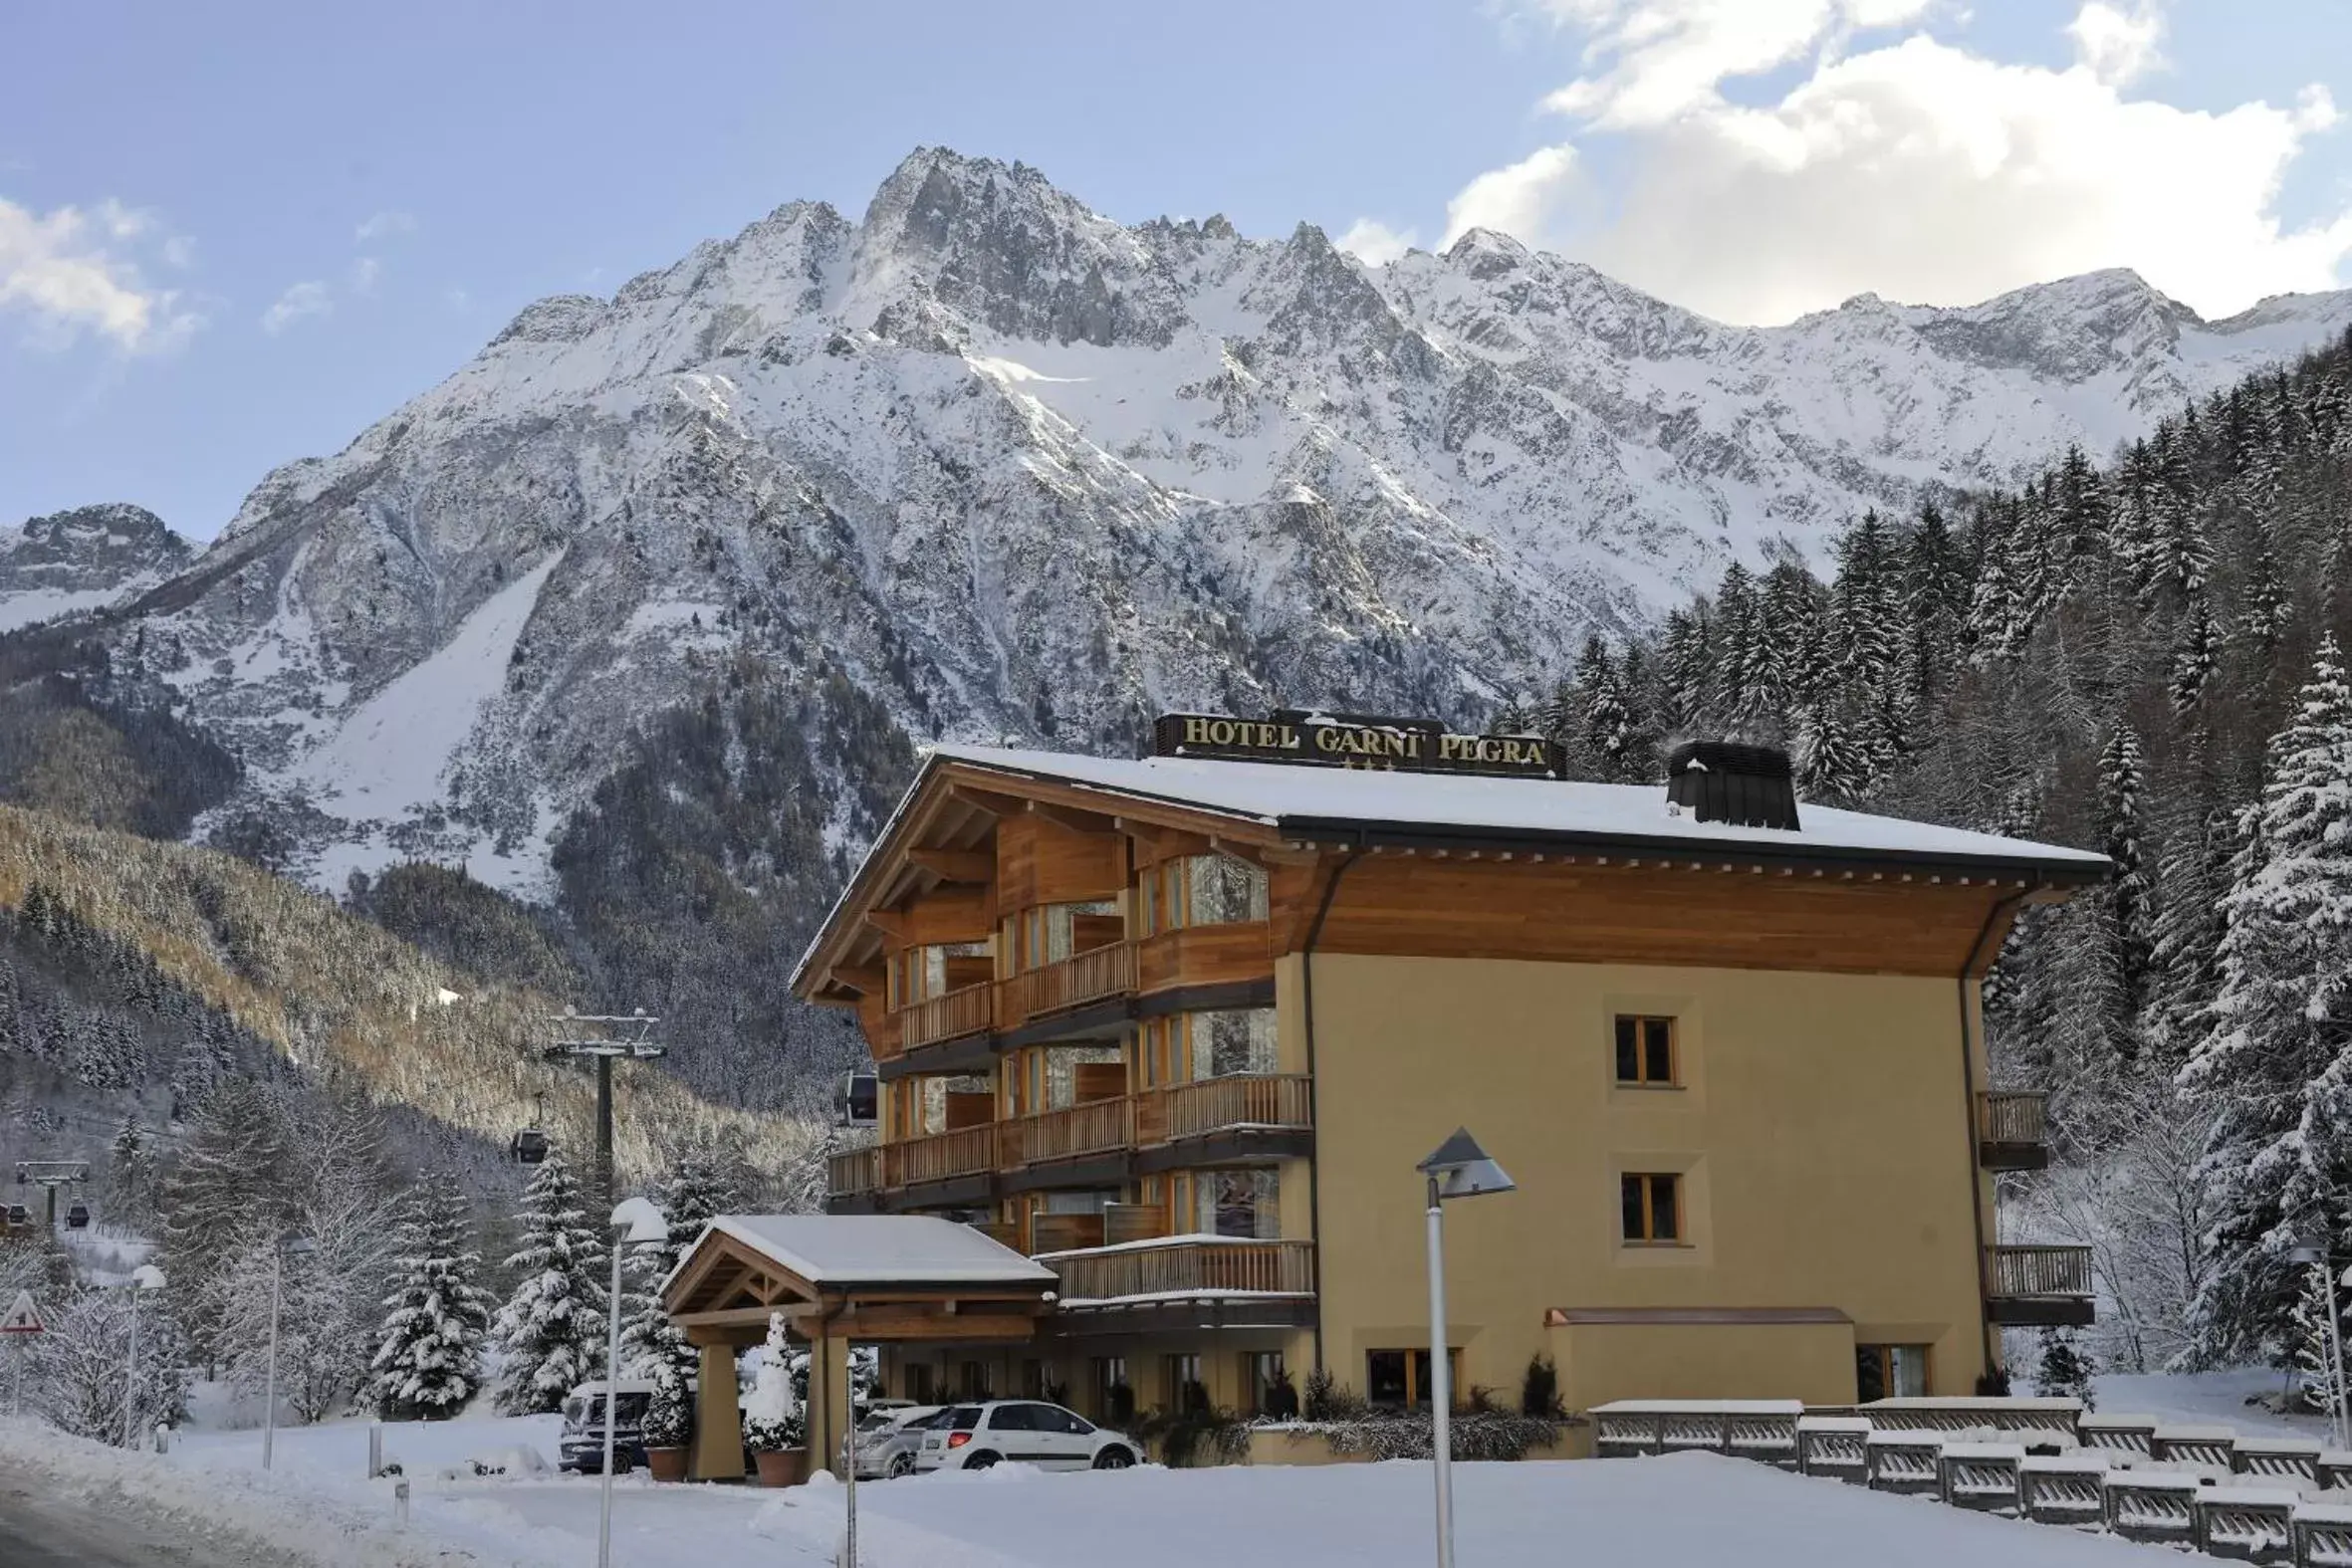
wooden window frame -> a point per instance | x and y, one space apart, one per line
1416 1360
1641 1051
1649 1221
1884 1353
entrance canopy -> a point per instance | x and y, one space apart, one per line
865 1277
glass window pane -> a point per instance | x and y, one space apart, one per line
1665 1223
1384 1377
1870 1378
1628 1056
1223 1043
1658 1046
1631 1191
1223 890
1910 1365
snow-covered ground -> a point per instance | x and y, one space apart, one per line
2207 1399
1686 1509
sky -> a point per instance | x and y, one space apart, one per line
235 235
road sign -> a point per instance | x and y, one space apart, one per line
23 1317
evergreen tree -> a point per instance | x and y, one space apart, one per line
229 1180
428 1362
700 1187
131 1174
2121 785
552 1329
2194 648
2067 1368
2274 1060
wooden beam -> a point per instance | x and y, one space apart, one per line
890 923
956 865
988 800
867 980
1076 818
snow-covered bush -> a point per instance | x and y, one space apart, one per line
669 1418
772 1417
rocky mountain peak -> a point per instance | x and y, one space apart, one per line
82 559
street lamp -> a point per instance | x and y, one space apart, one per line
299 1247
635 1223
1459 1169
144 1278
2313 1255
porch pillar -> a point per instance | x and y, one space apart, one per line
718 1418
828 1397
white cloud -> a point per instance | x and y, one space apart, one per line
382 225
299 302
1912 168
364 273
73 271
1374 242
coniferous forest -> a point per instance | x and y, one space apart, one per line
2142 655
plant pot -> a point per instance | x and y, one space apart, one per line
667 1464
781 1467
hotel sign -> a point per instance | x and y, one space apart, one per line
1346 740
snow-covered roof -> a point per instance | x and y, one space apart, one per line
1307 800
874 1250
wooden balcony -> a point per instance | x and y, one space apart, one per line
2011 1131
1101 1127
854 1172
1238 1103
941 1157
1184 1267
2038 1286
1097 975
1205 955
949 1015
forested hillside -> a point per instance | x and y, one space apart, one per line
2143 657
136 975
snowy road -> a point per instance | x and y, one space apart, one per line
47 1532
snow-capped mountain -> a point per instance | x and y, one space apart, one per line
1019 470
83 560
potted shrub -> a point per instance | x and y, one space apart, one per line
773 1426
668 1422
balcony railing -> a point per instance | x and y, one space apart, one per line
1099 1127
2012 1130
853 1172
1091 975
1186 1265
2020 1271
968 1151
945 1017
1212 1105
1205 955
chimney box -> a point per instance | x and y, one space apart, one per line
1721 782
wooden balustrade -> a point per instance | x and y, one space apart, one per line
853 1172
968 1151
1065 1233
1205 955
2014 1271
1074 982
1186 1265
1208 1105
2011 1116
1100 1127
945 1017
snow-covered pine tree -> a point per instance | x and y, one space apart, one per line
229 1179
1681 656
131 1174
700 1187
2067 1368
2307 1343
2197 645
428 1362
552 1329
2274 1060
2128 895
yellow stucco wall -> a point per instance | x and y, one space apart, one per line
1824 1134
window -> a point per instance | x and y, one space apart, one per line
1262 1377
1403 1377
1645 1051
1890 1372
971 1380
1187 1393
1013 1417
1108 1387
917 1382
1184 1048
1032 1379
1243 1203
1052 1418
1201 890
1653 1208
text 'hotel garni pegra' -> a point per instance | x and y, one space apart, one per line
1180 1027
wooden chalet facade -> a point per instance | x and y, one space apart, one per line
1180 1027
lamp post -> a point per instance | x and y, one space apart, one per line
1459 1169
298 1246
634 1221
2314 1255
144 1278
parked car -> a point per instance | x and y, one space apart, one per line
581 1446
974 1437
888 1439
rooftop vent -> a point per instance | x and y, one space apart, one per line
1747 786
